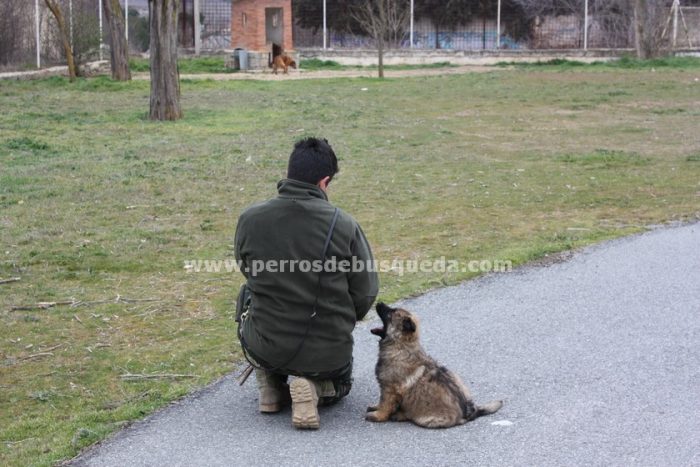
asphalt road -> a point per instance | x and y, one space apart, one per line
597 358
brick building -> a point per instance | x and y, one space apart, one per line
263 28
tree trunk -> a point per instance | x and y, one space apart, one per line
640 9
165 78
119 51
380 51
648 36
73 71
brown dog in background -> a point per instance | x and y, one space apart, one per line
284 62
413 385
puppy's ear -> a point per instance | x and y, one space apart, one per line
382 306
408 325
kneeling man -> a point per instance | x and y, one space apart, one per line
307 284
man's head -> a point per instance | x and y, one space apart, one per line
313 161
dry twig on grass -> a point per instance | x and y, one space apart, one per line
132 376
11 443
44 353
76 303
40 306
37 355
11 279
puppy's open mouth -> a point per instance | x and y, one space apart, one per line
384 312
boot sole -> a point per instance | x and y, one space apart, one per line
304 405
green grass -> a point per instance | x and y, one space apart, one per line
604 158
315 64
96 203
215 64
629 63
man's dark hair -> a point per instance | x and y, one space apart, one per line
311 160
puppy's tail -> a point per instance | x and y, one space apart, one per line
487 409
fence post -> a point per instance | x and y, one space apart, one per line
70 21
675 6
126 20
38 33
325 30
585 26
498 26
411 34
99 14
197 29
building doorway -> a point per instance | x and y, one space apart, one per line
274 26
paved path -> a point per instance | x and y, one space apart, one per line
598 359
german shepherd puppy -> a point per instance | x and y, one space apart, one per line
414 386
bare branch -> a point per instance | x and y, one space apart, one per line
77 303
132 376
65 38
11 279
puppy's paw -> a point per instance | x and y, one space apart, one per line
398 417
373 417
372 408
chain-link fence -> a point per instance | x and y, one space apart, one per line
473 25
29 36
215 20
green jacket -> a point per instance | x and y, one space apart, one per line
286 229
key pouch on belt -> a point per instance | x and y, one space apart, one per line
243 302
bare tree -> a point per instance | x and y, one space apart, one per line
649 16
14 24
646 18
614 20
385 21
119 51
86 33
165 78
55 8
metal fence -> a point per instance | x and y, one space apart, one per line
206 20
216 24
29 37
500 25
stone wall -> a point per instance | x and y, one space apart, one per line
257 61
368 57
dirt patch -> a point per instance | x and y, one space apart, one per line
91 69
551 258
268 75
324 74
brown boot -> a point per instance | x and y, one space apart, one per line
273 392
304 404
